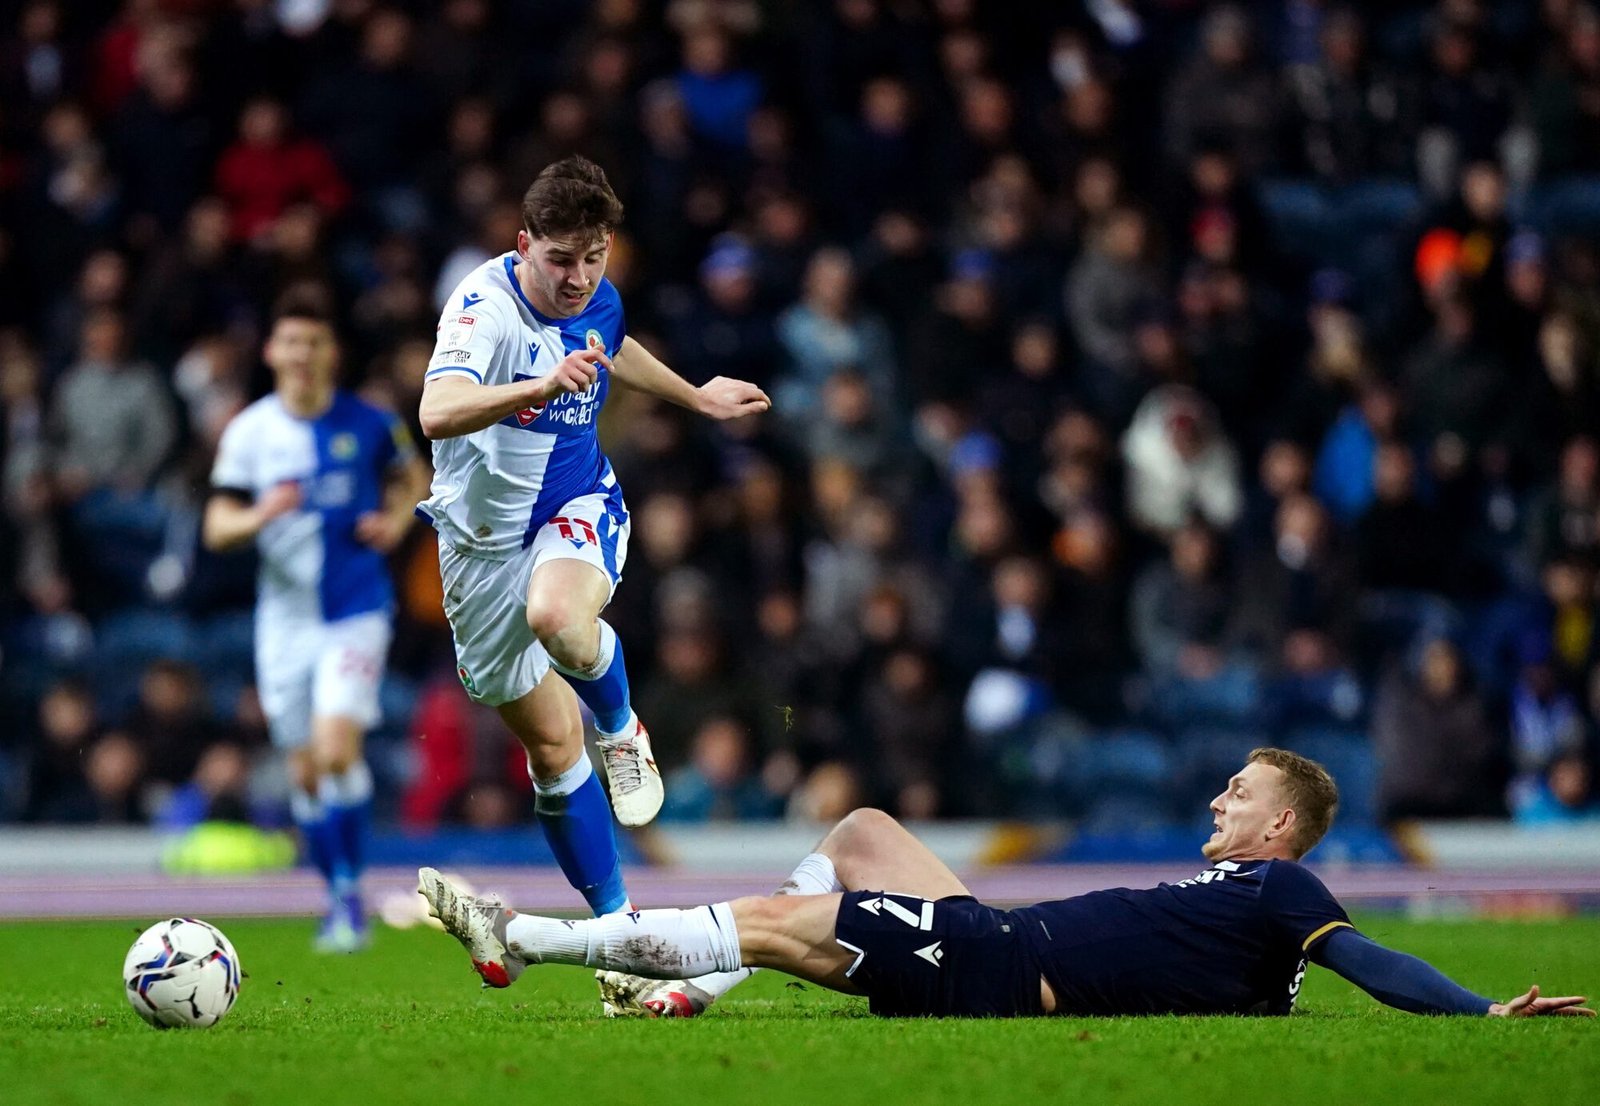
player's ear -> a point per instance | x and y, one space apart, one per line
1283 825
524 245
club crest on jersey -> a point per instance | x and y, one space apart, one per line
592 339
466 679
343 446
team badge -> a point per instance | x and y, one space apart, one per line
466 679
342 447
592 339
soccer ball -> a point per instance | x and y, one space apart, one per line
181 972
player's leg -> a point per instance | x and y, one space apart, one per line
286 654
870 851
344 791
793 934
867 850
345 705
578 559
502 665
569 802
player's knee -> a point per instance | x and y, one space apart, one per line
303 771
858 836
551 619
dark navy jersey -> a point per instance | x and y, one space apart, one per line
1233 940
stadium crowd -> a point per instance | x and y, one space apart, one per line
1151 380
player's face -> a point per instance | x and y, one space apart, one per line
302 352
563 272
1246 815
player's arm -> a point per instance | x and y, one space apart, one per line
720 398
232 519
1411 984
407 484
455 405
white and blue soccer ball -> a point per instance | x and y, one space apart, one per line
181 972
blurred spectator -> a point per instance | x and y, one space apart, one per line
1439 750
825 332
268 169
1180 465
1546 725
718 784
1564 517
1224 95
114 768
1180 608
1106 291
58 785
171 721
1400 542
100 446
1300 589
1353 116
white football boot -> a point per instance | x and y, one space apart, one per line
634 996
631 772
479 924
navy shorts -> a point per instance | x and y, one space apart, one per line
950 957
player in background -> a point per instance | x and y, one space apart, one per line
1234 939
533 531
324 484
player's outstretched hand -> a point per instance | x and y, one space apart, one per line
1531 1005
724 398
381 531
575 373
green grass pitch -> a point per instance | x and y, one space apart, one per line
406 1023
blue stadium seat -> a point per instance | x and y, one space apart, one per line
137 636
1209 756
1126 814
1348 756
227 644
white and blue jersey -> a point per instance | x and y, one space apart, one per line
494 489
312 565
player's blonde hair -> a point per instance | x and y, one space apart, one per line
1310 792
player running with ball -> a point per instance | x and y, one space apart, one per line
533 532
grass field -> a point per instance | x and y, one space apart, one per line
406 1023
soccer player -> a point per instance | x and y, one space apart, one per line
533 532
1234 939
323 484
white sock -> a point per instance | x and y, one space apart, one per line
812 876
658 944
351 787
602 659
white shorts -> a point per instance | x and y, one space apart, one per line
308 669
497 657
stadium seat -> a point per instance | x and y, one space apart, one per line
1126 814
1348 756
1208 756
140 635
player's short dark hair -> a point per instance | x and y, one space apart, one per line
1310 790
570 196
309 302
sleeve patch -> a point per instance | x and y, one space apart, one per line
457 332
